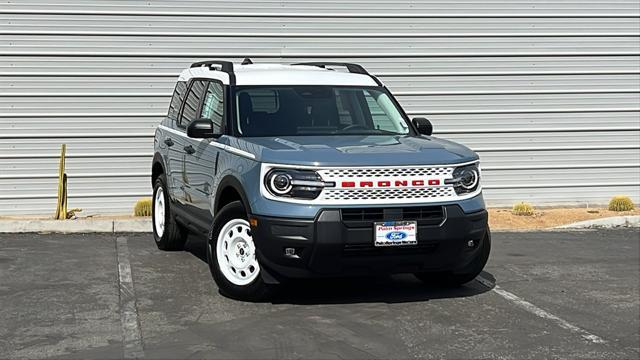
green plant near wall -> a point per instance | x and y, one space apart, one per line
142 207
621 203
522 209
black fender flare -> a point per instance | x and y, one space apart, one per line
157 159
232 182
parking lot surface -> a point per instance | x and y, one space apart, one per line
542 295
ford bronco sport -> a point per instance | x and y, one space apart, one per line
298 171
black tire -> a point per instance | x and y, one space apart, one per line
257 289
174 235
463 276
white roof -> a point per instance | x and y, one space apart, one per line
276 74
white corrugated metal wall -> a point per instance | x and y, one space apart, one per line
548 92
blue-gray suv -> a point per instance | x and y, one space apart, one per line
312 170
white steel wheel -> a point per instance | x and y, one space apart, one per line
236 253
159 212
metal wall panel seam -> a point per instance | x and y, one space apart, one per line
562 185
71 175
337 14
519 111
322 55
76 156
311 35
423 112
150 134
396 93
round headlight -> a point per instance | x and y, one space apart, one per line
469 178
280 183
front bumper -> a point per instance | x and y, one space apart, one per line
334 244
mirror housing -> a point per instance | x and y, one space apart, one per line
201 129
423 125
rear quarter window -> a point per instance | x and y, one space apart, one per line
176 100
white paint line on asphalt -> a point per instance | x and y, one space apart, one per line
540 312
131 335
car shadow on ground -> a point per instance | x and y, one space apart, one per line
386 289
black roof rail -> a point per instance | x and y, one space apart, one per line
351 67
225 66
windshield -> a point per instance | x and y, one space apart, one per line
316 110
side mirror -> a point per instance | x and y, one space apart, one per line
423 125
201 129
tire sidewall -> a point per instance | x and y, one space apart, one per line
160 183
252 291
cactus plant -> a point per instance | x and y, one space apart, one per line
522 209
142 207
621 203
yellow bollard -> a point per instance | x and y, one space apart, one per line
61 207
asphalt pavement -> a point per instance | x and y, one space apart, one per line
560 294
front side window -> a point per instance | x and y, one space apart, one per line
316 110
213 106
191 103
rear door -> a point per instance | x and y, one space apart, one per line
172 154
182 144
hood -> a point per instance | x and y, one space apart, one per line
346 150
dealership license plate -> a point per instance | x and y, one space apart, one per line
395 233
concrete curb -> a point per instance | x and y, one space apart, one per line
631 221
77 226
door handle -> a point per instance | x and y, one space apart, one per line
168 141
189 149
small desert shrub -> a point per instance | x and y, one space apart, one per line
143 207
620 203
522 209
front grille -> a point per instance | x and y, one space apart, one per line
382 185
339 173
375 194
424 215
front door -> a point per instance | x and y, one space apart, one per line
201 164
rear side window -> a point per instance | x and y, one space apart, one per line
192 103
176 100
212 106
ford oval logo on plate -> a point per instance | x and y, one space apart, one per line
396 235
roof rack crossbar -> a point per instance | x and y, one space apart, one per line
225 66
351 67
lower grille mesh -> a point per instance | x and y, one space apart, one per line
425 215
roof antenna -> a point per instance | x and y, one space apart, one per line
247 61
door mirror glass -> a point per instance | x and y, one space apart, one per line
423 125
201 129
